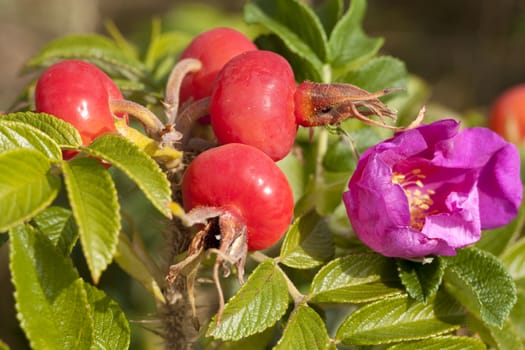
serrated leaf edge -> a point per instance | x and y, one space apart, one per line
95 274
20 317
55 154
40 208
211 328
161 207
483 311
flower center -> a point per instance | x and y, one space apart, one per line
419 197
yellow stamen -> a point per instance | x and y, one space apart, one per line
419 199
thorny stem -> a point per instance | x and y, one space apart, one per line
175 313
181 69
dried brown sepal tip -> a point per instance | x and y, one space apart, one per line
223 234
319 104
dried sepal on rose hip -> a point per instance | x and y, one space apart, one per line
244 202
254 99
318 104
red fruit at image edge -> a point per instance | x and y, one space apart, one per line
79 93
507 115
253 103
214 48
247 183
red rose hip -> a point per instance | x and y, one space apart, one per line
214 48
507 115
245 182
253 103
79 93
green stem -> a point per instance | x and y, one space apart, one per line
297 296
259 257
322 147
346 136
327 73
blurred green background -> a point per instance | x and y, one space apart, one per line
466 51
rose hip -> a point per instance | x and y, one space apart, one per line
253 103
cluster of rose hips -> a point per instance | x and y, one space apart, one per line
235 190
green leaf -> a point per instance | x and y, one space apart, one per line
348 44
379 73
59 226
195 17
19 135
94 48
135 266
340 157
400 319
408 104
421 280
140 167
93 199
119 40
499 338
165 44
50 298
302 33
136 88
514 259
328 191
63 133
449 342
259 304
329 13
302 67
257 341
496 241
3 346
517 315
111 328
308 243
480 282
27 186
292 167
355 278
305 330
